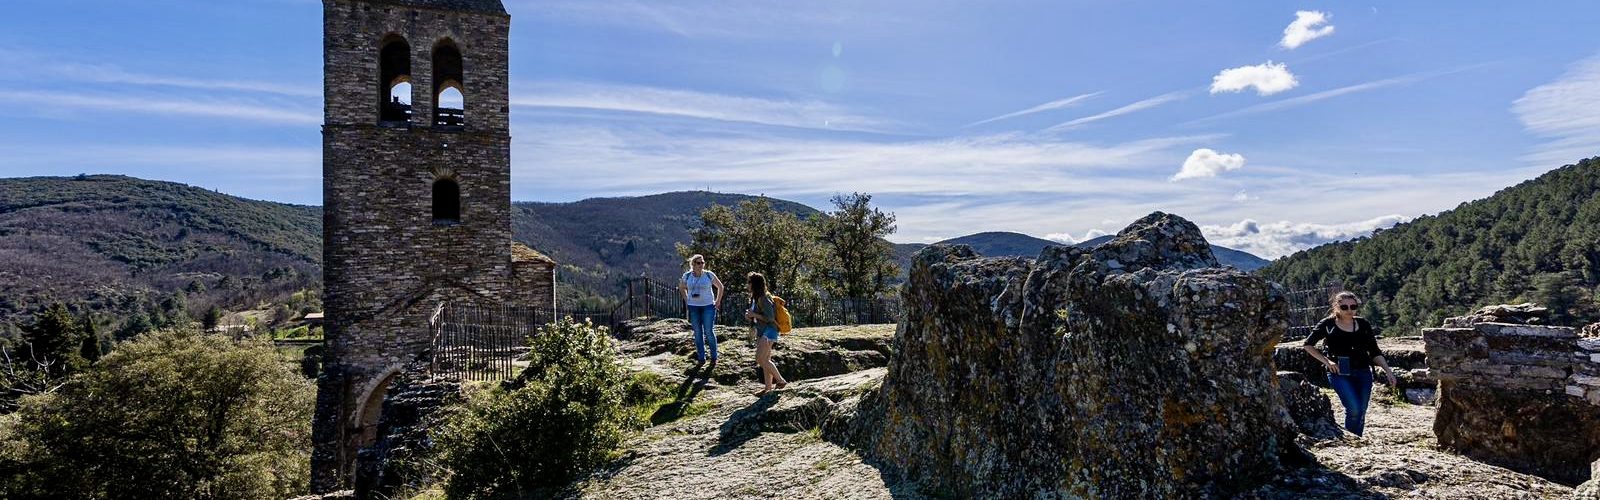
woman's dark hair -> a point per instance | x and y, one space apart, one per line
758 284
1333 302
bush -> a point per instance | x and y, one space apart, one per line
560 417
167 415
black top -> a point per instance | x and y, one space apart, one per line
1360 345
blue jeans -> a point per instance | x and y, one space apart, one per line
1355 391
703 320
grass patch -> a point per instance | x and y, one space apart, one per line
654 400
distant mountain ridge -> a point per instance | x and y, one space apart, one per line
1009 244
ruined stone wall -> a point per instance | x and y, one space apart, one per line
1522 396
388 263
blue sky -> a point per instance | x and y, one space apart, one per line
1275 125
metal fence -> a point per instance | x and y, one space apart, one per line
1308 304
481 343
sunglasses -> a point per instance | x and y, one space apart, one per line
1348 307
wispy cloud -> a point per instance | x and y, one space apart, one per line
1332 93
53 102
1308 25
1267 78
39 65
1130 108
641 160
1056 104
699 105
722 18
1567 111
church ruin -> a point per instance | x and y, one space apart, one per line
416 197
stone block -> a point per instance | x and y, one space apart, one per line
1508 329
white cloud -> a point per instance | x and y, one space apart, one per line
1276 239
1131 108
1567 111
1067 238
1308 25
694 104
1267 78
1205 162
1241 197
1056 104
54 102
1332 93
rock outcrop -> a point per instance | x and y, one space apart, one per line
1522 396
1526 313
1137 369
1311 410
805 354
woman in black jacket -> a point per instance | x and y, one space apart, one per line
1352 351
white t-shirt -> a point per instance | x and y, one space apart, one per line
701 292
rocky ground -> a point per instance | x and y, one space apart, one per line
728 443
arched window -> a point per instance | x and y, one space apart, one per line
394 80
446 201
449 104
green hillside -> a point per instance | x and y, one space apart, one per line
115 245
1538 240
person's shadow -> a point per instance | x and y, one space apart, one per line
743 425
690 389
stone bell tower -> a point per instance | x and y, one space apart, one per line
416 169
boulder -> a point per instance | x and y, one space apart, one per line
1308 406
1137 369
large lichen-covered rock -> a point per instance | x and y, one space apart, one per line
1137 370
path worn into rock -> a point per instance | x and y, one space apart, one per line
745 447
1399 458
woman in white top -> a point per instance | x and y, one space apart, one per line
702 292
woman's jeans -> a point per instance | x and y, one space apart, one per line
1355 391
703 319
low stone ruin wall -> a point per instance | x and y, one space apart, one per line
1525 397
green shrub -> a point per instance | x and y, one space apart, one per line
167 415
562 416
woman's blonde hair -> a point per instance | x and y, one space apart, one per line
693 258
1333 303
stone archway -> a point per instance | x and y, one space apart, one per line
364 420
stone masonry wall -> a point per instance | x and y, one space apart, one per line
388 264
1522 396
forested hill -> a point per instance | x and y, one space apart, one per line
120 245
1538 240
600 241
